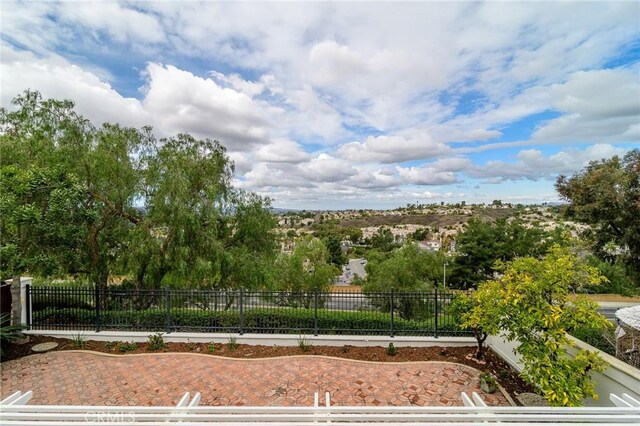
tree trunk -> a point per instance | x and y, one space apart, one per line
480 338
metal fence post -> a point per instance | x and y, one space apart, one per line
28 292
315 312
167 292
392 294
435 298
97 300
241 312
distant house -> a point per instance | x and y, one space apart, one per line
431 245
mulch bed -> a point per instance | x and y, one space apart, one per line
492 363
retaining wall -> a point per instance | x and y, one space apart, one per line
264 339
618 378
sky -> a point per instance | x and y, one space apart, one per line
335 105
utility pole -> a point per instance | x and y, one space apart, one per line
444 275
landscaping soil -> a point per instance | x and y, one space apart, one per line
507 377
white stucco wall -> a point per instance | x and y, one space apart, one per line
618 378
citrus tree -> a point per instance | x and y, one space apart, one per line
530 303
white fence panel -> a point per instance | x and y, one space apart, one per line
14 411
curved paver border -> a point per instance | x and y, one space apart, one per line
261 359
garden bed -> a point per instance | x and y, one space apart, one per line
493 364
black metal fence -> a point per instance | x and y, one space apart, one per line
238 312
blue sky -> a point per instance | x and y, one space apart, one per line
351 104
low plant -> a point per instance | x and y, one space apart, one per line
127 346
156 342
79 341
232 344
391 350
111 345
191 345
303 343
10 333
488 382
211 347
345 349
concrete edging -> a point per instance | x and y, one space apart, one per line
261 339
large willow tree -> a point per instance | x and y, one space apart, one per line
81 199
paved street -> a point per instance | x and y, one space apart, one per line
84 378
608 309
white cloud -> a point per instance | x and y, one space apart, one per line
313 116
183 102
392 149
597 106
426 175
120 23
325 168
532 164
282 151
370 86
56 78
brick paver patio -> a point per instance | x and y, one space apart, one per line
84 378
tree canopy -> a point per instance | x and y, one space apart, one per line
606 195
81 199
407 269
306 270
482 243
530 302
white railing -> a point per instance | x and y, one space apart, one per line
15 411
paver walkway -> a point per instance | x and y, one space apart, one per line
85 378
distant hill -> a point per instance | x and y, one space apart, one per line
430 219
278 210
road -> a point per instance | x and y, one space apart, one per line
608 309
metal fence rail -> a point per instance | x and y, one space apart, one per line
166 310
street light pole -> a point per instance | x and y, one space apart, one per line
444 275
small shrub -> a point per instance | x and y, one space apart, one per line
9 333
303 344
232 344
391 350
79 341
211 347
504 374
191 345
488 382
345 349
111 345
156 342
127 346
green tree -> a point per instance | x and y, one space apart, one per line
334 247
82 170
407 270
383 240
81 199
354 234
41 226
606 195
530 303
483 243
197 230
421 234
305 271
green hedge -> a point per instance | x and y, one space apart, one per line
260 320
